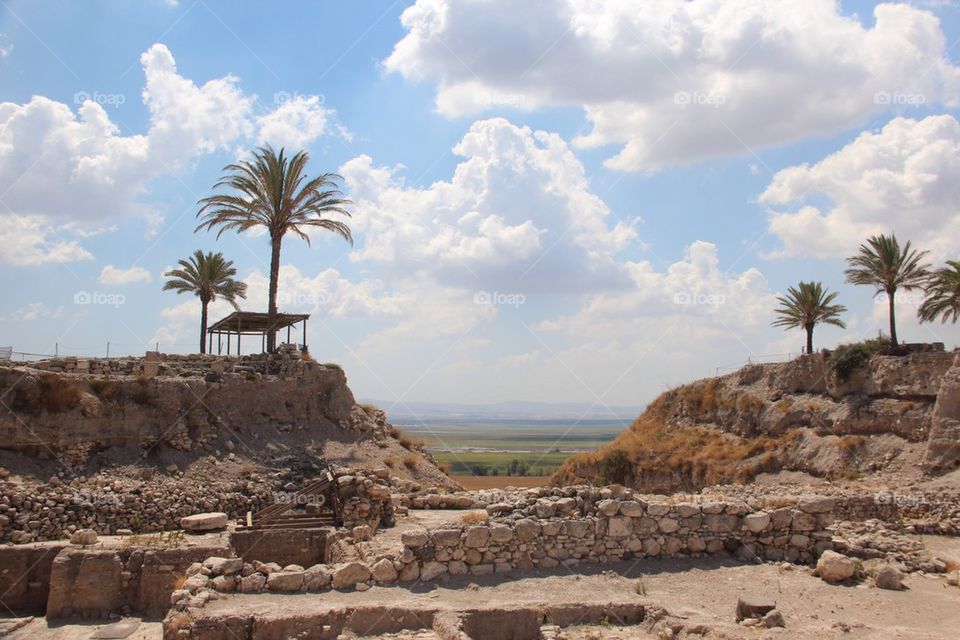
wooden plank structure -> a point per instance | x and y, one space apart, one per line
244 323
293 513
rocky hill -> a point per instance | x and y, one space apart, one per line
882 415
173 435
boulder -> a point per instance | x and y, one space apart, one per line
754 608
526 529
619 527
253 583
223 566
213 521
834 567
888 577
348 575
608 507
432 570
84 537
317 577
383 571
285 581
773 619
415 539
476 537
757 522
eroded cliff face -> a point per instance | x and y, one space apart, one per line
797 415
943 447
72 415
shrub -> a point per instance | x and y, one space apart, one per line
142 394
410 462
475 517
614 467
105 388
847 358
51 393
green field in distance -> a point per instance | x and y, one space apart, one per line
511 447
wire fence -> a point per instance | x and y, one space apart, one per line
108 349
757 359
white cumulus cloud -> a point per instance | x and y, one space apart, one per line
117 276
673 81
904 178
517 213
63 170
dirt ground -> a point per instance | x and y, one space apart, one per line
698 595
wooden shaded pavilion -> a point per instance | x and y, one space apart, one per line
247 323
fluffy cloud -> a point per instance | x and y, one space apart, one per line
57 164
674 81
116 276
904 178
295 123
31 312
517 214
327 294
692 290
30 240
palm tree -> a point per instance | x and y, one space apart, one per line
273 191
881 263
207 276
806 306
943 294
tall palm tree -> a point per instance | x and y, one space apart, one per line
943 294
806 306
274 192
882 264
207 276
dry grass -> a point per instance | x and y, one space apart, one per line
776 502
391 462
850 443
142 392
411 462
106 389
692 455
475 517
51 393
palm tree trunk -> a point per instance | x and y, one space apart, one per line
893 318
274 281
203 325
809 339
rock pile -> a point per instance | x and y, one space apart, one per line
118 500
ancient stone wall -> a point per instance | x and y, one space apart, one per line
41 511
571 531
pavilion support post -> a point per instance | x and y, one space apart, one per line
304 334
288 334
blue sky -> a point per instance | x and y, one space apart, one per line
553 200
